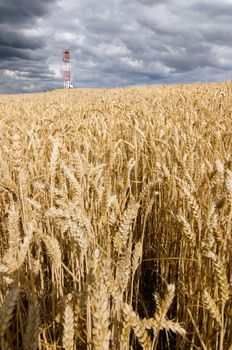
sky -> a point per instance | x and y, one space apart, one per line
114 43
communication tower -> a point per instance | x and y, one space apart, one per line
67 69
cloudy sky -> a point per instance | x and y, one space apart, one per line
114 42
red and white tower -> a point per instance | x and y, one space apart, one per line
67 69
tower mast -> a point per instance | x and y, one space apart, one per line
67 69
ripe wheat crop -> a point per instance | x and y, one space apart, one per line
115 219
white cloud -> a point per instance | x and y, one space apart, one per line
15 75
55 70
129 61
29 88
65 37
110 49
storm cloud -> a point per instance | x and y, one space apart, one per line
114 42
13 11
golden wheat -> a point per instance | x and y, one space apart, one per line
121 199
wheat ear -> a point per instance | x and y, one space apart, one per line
211 306
100 309
221 275
54 156
13 263
53 249
6 312
68 332
129 215
13 230
32 330
132 319
189 233
137 255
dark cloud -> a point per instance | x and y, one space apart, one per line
19 11
19 40
213 9
23 64
114 42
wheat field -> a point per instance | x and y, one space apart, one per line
116 216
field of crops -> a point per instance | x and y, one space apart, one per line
116 218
